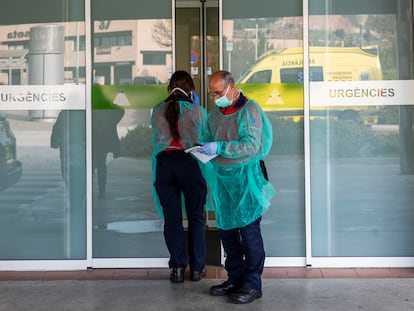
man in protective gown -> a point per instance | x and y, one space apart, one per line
240 133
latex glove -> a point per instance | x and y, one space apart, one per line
209 148
195 98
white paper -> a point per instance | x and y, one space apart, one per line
201 156
191 149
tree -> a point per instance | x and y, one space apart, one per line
161 33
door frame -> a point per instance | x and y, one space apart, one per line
202 6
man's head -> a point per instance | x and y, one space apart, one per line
222 89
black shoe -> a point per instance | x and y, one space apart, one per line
245 295
177 274
223 289
197 275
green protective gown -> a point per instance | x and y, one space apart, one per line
238 191
191 123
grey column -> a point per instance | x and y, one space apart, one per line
46 61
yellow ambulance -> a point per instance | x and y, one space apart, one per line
276 79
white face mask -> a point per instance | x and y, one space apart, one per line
179 89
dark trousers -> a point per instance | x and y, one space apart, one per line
178 175
245 255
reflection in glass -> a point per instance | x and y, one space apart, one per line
254 54
132 51
105 140
359 194
132 65
43 214
16 51
10 166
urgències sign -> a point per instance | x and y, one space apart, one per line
40 97
362 93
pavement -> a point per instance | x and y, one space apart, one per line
155 295
292 289
284 289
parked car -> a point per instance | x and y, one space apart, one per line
10 168
146 80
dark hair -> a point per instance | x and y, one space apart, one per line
182 80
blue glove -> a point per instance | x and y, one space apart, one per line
209 148
195 98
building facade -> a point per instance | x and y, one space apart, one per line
335 79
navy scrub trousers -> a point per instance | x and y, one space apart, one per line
178 173
245 255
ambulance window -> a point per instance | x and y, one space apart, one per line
291 75
264 76
295 75
316 73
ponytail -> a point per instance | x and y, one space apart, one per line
172 113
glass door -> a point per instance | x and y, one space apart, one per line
262 45
134 54
132 62
361 137
42 136
197 52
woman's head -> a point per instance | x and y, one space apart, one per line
180 82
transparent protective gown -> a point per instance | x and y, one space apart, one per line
191 123
238 191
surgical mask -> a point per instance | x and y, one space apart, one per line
223 101
179 89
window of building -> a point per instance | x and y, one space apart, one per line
154 57
123 38
19 45
81 42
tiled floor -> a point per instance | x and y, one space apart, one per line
212 273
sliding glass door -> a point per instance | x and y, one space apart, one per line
361 132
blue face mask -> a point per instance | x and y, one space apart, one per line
223 101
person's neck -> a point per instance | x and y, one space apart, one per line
235 100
